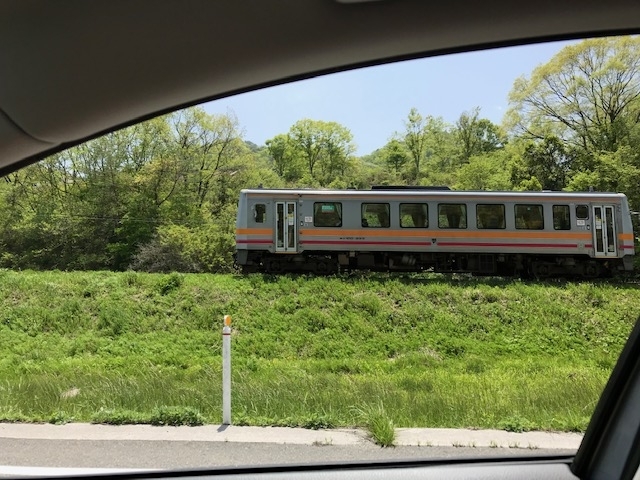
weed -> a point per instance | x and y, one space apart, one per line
252 364
170 282
323 443
516 424
317 422
413 383
60 418
131 279
175 416
118 417
14 417
475 366
380 426
493 444
112 320
316 320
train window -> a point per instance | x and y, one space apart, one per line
259 212
452 215
375 215
529 217
561 218
414 215
327 214
582 211
490 216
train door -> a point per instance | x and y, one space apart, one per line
604 231
286 233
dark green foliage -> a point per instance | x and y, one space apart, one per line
170 283
549 161
516 424
60 418
119 417
312 421
317 421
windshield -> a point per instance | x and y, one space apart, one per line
406 321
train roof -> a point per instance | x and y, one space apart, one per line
435 193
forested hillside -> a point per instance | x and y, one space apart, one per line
161 195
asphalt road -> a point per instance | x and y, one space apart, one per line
158 454
77 448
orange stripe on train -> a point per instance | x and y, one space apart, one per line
332 232
254 231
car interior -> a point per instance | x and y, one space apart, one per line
73 70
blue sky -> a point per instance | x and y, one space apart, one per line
374 102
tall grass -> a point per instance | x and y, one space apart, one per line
427 351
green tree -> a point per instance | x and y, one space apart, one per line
373 169
587 95
485 172
548 161
285 161
476 135
327 145
305 136
430 142
206 145
338 148
94 206
611 172
415 138
395 156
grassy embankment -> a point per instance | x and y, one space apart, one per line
317 352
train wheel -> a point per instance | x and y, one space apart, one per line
275 266
322 267
325 266
541 270
591 270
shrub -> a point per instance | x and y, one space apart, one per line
170 283
117 417
380 426
159 257
206 248
175 416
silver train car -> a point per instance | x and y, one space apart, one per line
539 234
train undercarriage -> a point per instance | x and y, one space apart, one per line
487 264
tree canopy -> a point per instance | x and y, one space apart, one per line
588 95
313 152
579 115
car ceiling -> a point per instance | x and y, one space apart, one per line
73 69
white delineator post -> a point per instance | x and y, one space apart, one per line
226 371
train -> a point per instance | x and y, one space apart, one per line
414 229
